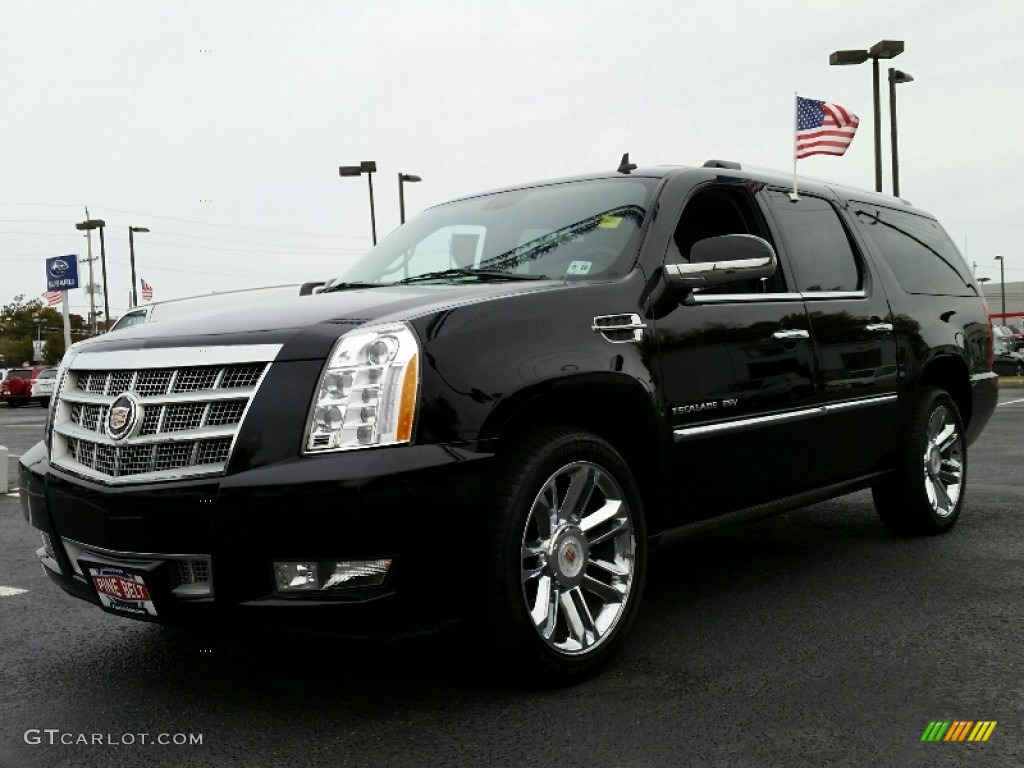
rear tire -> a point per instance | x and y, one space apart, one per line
926 495
567 557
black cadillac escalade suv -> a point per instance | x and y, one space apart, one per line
502 408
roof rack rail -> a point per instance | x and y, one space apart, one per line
722 164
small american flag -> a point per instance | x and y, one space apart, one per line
823 128
53 298
147 291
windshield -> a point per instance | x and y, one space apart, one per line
573 230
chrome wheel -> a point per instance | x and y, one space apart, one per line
578 558
943 462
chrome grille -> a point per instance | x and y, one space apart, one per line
194 571
227 412
153 382
186 415
240 376
119 382
90 417
195 379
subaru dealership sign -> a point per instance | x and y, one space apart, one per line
62 273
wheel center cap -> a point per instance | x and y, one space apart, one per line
570 558
934 461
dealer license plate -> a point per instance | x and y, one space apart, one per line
122 590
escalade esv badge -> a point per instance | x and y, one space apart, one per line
122 417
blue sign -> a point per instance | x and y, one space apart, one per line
62 273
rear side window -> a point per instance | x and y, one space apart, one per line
818 244
919 252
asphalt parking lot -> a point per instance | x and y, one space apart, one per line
812 638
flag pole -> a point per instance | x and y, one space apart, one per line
67 320
794 196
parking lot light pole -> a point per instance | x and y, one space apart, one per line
369 167
895 77
131 251
402 178
883 49
1002 287
99 224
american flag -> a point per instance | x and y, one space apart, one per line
53 298
147 291
823 128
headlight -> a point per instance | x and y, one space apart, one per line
367 393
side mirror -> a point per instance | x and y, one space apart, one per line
722 260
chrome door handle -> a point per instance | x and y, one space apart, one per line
791 335
878 327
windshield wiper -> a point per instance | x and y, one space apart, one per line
347 286
493 274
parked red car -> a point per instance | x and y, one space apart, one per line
16 388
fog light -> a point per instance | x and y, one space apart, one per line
358 573
296 577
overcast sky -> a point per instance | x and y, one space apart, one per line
220 125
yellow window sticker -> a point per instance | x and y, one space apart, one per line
610 222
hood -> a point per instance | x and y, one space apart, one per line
307 325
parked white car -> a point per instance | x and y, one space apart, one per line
42 387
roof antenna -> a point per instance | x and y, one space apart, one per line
625 166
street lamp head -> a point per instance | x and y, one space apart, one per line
840 58
409 177
901 77
91 224
138 229
999 258
886 49
367 166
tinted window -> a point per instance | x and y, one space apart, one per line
47 374
917 250
817 242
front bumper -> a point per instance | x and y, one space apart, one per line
411 504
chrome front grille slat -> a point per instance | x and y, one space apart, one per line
178 397
187 417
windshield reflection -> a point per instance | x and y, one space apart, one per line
573 230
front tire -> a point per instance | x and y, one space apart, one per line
927 493
568 556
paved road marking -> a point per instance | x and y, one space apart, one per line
12 492
25 426
1013 402
9 591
